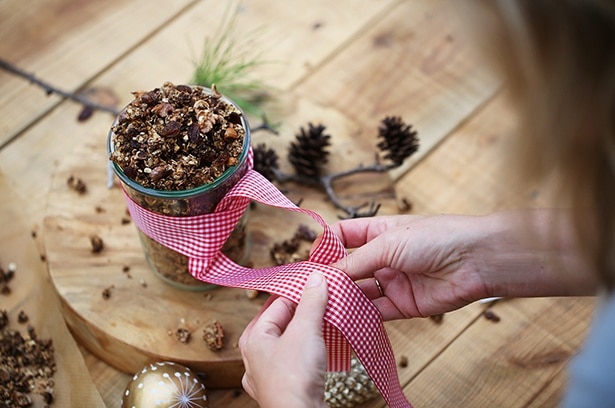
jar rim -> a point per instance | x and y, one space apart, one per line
189 192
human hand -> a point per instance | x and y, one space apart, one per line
425 265
283 350
428 265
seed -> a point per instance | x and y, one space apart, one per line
490 315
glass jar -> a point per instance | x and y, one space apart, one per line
167 264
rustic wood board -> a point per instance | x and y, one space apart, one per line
407 65
68 43
30 293
529 348
46 142
137 323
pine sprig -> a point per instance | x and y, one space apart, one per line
227 60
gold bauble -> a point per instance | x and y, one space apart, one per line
165 385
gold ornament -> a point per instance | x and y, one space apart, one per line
165 385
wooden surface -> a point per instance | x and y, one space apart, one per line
346 64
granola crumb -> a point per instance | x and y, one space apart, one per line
182 335
490 315
106 293
213 335
97 243
76 184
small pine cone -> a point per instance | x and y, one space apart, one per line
308 153
265 161
400 141
351 388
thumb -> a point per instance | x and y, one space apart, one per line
311 308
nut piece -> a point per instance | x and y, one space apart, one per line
97 243
213 334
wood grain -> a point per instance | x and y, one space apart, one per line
510 362
79 40
414 63
345 64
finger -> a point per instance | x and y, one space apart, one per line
246 383
248 328
364 261
315 244
359 231
311 308
275 318
388 309
271 320
370 288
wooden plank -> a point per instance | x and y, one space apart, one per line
507 363
475 171
60 132
413 63
29 164
420 341
30 294
67 43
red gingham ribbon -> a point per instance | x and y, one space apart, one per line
350 316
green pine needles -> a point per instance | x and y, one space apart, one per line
228 61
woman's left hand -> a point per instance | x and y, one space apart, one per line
284 352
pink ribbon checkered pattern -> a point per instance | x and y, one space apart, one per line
350 316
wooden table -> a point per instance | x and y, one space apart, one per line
346 64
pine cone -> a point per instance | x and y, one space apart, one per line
400 141
308 153
351 388
265 161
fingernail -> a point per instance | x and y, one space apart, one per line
315 279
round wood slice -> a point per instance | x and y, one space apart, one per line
138 321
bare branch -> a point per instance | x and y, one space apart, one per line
50 89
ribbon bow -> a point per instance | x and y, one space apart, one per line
352 322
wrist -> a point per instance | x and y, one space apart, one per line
531 253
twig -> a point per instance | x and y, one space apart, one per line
354 211
50 89
326 182
266 126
